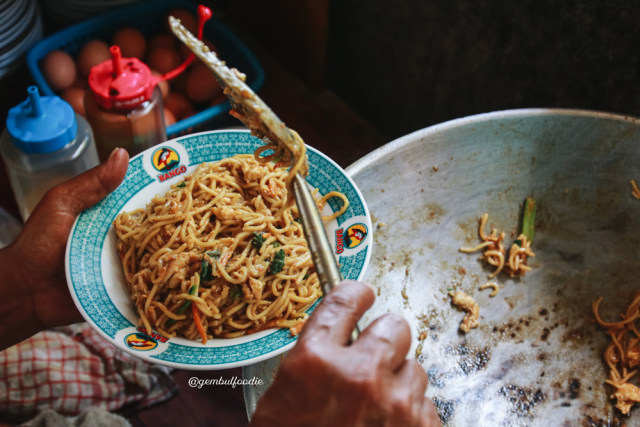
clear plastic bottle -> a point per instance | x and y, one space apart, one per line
45 143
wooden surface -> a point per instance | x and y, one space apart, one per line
327 124
210 406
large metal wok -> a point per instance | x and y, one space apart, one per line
536 358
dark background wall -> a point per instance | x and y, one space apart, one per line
408 64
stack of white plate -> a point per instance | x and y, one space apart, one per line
66 12
20 28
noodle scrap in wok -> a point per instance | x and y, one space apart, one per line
514 264
635 191
622 355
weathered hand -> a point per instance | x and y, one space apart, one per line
33 289
326 381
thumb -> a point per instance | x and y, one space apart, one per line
85 190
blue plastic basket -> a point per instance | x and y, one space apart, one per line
149 17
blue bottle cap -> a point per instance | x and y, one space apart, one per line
41 124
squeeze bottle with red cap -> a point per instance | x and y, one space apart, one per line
124 104
44 144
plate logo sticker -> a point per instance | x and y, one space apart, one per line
166 160
140 342
350 237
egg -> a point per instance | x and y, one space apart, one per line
163 59
80 81
75 97
162 84
187 19
161 40
59 70
179 82
218 99
201 85
131 41
92 53
179 105
169 118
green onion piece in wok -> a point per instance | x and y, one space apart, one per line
528 219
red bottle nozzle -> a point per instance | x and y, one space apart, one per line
204 14
116 60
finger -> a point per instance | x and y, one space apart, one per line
409 386
387 339
429 417
413 377
338 313
92 186
88 188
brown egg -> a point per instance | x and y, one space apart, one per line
218 99
80 82
163 59
179 105
187 19
179 82
92 53
131 41
201 85
169 118
162 84
59 70
75 97
161 40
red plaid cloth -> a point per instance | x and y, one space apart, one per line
71 369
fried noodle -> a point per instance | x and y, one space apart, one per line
515 264
224 249
635 191
622 355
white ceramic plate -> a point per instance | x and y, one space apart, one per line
95 276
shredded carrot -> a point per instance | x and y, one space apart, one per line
297 328
196 318
272 188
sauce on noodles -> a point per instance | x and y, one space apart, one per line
221 254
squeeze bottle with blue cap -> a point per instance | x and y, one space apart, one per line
45 143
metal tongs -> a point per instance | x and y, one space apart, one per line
265 124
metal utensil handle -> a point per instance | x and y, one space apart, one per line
321 253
